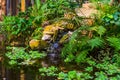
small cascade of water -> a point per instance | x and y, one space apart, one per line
53 56
54 49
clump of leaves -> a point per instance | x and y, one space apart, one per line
112 22
51 9
71 75
19 25
56 8
112 19
106 70
7 24
17 56
48 71
22 24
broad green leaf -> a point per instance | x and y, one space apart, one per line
110 16
72 74
62 75
100 76
89 69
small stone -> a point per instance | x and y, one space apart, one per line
34 43
46 37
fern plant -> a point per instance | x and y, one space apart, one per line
95 43
79 46
75 46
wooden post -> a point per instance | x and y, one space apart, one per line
22 75
23 5
2 8
13 7
28 3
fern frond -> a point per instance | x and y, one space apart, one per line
81 56
38 3
96 42
101 30
75 43
114 42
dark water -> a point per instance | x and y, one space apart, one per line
53 56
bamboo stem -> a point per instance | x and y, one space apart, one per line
23 5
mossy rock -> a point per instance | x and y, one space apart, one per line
37 44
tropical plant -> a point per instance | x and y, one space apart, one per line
50 9
56 8
7 23
19 25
